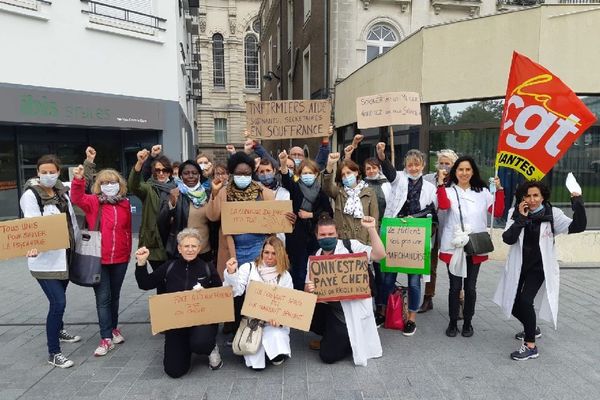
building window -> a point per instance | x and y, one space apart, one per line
251 61
218 60
379 40
220 131
306 73
307 7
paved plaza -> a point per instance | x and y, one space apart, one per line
428 365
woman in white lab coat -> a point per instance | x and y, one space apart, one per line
531 231
271 267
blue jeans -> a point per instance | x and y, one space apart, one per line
55 290
414 292
107 294
387 283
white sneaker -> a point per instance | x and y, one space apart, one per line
59 360
104 347
65 336
214 359
117 336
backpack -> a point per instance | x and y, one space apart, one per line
372 284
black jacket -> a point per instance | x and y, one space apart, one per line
181 276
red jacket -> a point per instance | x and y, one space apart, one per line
115 223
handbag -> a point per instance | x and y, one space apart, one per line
479 242
248 337
86 266
395 310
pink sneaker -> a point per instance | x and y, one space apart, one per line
117 337
104 347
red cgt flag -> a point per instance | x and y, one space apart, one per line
542 118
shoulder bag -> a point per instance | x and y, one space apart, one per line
479 242
86 267
248 337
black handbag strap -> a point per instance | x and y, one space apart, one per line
462 226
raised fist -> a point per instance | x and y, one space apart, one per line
78 172
231 265
380 149
141 255
333 158
90 154
368 222
230 148
248 146
156 149
356 140
216 185
283 156
142 155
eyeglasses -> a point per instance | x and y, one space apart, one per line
162 170
109 183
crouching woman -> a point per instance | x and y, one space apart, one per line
271 267
184 273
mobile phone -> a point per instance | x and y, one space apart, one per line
526 208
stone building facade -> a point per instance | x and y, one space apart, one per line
229 34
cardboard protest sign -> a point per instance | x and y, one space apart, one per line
407 244
395 108
255 217
542 118
42 233
340 276
288 307
288 119
190 308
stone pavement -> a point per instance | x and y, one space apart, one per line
428 365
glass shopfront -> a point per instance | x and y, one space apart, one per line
22 145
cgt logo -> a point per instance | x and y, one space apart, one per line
542 118
533 122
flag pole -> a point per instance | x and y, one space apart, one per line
392 152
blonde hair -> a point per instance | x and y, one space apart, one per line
283 262
109 174
448 153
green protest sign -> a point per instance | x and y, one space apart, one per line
407 245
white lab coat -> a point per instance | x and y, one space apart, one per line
275 341
547 297
360 320
400 192
282 194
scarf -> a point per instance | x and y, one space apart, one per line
412 205
196 195
268 274
104 199
309 194
458 262
251 193
164 187
353 204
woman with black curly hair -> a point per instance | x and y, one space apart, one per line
531 231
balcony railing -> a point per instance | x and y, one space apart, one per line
26 4
122 14
579 1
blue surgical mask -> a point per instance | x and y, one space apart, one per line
48 180
537 210
290 172
297 162
414 177
266 179
349 181
308 179
242 181
328 243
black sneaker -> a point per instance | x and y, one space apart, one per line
379 320
524 353
521 335
409 328
451 330
59 360
467 330
65 336
280 359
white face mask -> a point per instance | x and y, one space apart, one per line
110 189
48 180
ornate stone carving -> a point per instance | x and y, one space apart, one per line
232 25
202 23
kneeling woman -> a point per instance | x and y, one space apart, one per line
271 267
532 261
185 273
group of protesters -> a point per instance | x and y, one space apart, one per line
338 206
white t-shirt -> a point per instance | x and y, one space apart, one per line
355 245
474 207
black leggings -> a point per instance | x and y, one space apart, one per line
335 344
181 343
470 286
523 310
